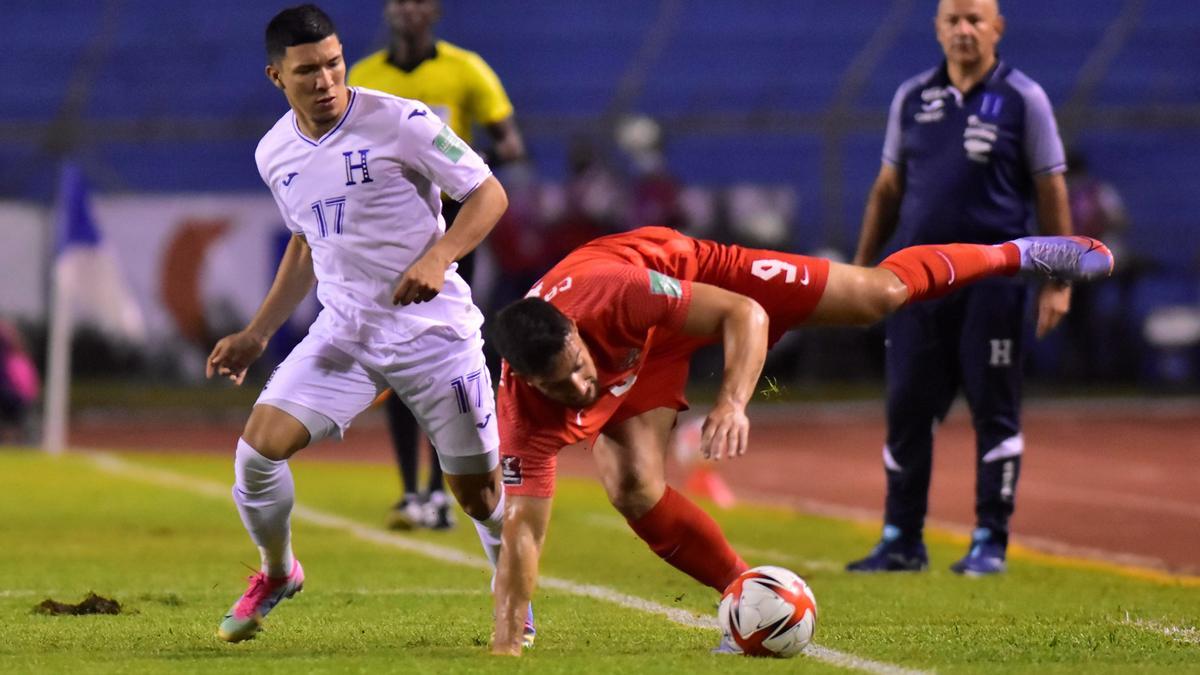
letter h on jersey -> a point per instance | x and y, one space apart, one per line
362 164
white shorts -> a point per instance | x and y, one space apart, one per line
440 377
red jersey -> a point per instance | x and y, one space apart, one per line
629 295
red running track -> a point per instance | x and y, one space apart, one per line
1115 480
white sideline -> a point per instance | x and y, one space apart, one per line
115 465
1185 634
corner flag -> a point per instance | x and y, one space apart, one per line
86 288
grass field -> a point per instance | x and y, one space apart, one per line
159 534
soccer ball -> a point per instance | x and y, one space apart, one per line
768 611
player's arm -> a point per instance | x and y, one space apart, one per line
480 211
741 324
881 215
1054 218
883 204
1045 159
507 142
294 279
525 522
489 104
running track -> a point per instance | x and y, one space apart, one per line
1114 480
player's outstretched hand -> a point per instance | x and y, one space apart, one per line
233 355
726 432
421 282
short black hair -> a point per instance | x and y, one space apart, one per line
296 26
529 333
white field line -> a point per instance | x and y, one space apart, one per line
1185 634
118 466
765 554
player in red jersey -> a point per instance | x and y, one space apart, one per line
597 354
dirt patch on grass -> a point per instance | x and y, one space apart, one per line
92 604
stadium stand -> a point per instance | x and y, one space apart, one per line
167 97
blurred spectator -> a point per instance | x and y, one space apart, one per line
1097 210
655 193
761 216
1101 344
521 242
19 387
596 196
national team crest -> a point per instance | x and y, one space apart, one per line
979 138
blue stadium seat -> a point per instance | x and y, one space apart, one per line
1158 65
196 166
566 60
1152 171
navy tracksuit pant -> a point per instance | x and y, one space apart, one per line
975 341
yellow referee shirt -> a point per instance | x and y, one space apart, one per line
456 84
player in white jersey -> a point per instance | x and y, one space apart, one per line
357 175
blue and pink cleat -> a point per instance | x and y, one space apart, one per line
529 633
245 618
1064 258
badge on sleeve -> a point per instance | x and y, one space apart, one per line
449 144
661 284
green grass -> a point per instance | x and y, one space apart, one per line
173 557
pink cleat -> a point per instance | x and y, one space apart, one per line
245 618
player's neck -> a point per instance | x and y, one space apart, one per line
964 77
408 52
316 129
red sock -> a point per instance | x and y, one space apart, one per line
690 541
933 271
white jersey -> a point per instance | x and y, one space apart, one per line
366 197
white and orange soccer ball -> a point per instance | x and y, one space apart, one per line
768 611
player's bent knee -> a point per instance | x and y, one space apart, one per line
478 505
894 297
477 494
634 497
274 433
883 294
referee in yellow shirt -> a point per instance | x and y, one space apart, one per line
464 92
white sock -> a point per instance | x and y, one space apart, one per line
489 531
264 492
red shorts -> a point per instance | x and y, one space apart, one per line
787 285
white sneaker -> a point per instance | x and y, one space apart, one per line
407 514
